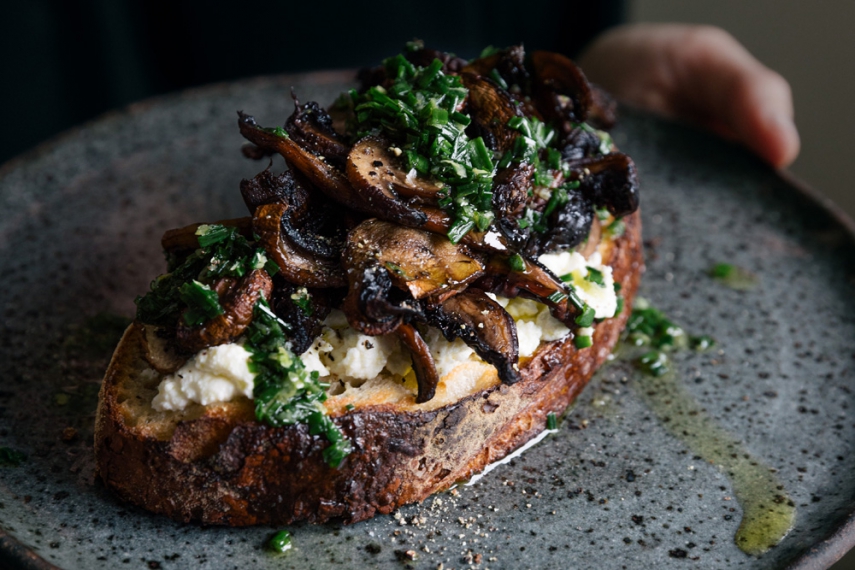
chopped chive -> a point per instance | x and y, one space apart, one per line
202 302
557 297
586 319
349 407
701 343
596 276
654 363
280 541
567 278
583 341
516 262
551 421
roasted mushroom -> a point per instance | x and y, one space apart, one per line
484 325
560 89
185 240
312 223
492 107
311 127
304 309
375 169
319 173
423 364
609 181
237 298
390 267
271 224
533 281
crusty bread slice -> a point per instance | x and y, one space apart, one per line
217 465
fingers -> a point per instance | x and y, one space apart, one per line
703 74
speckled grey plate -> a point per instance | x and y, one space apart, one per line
80 222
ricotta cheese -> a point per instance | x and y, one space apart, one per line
215 374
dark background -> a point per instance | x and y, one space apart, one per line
64 62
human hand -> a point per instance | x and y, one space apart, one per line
701 74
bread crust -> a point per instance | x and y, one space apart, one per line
226 468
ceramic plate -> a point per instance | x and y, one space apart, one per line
80 222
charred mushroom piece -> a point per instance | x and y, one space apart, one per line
423 364
610 181
508 63
374 168
311 127
560 89
372 305
492 107
373 196
185 240
310 223
295 265
159 349
511 187
484 325
422 263
237 298
569 225
304 309
320 174
533 281
579 142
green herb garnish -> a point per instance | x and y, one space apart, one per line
551 421
285 393
654 363
516 262
582 341
302 299
733 276
225 253
596 276
280 541
586 319
419 112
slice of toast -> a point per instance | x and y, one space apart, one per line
217 465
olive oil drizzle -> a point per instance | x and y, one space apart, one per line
768 513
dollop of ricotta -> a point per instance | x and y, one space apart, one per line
216 374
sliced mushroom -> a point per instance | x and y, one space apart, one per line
560 89
422 263
183 240
311 223
534 282
484 325
372 305
237 298
509 64
569 225
579 142
159 349
609 181
298 267
373 167
319 173
492 107
510 194
311 127
423 364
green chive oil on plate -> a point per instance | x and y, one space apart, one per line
768 513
